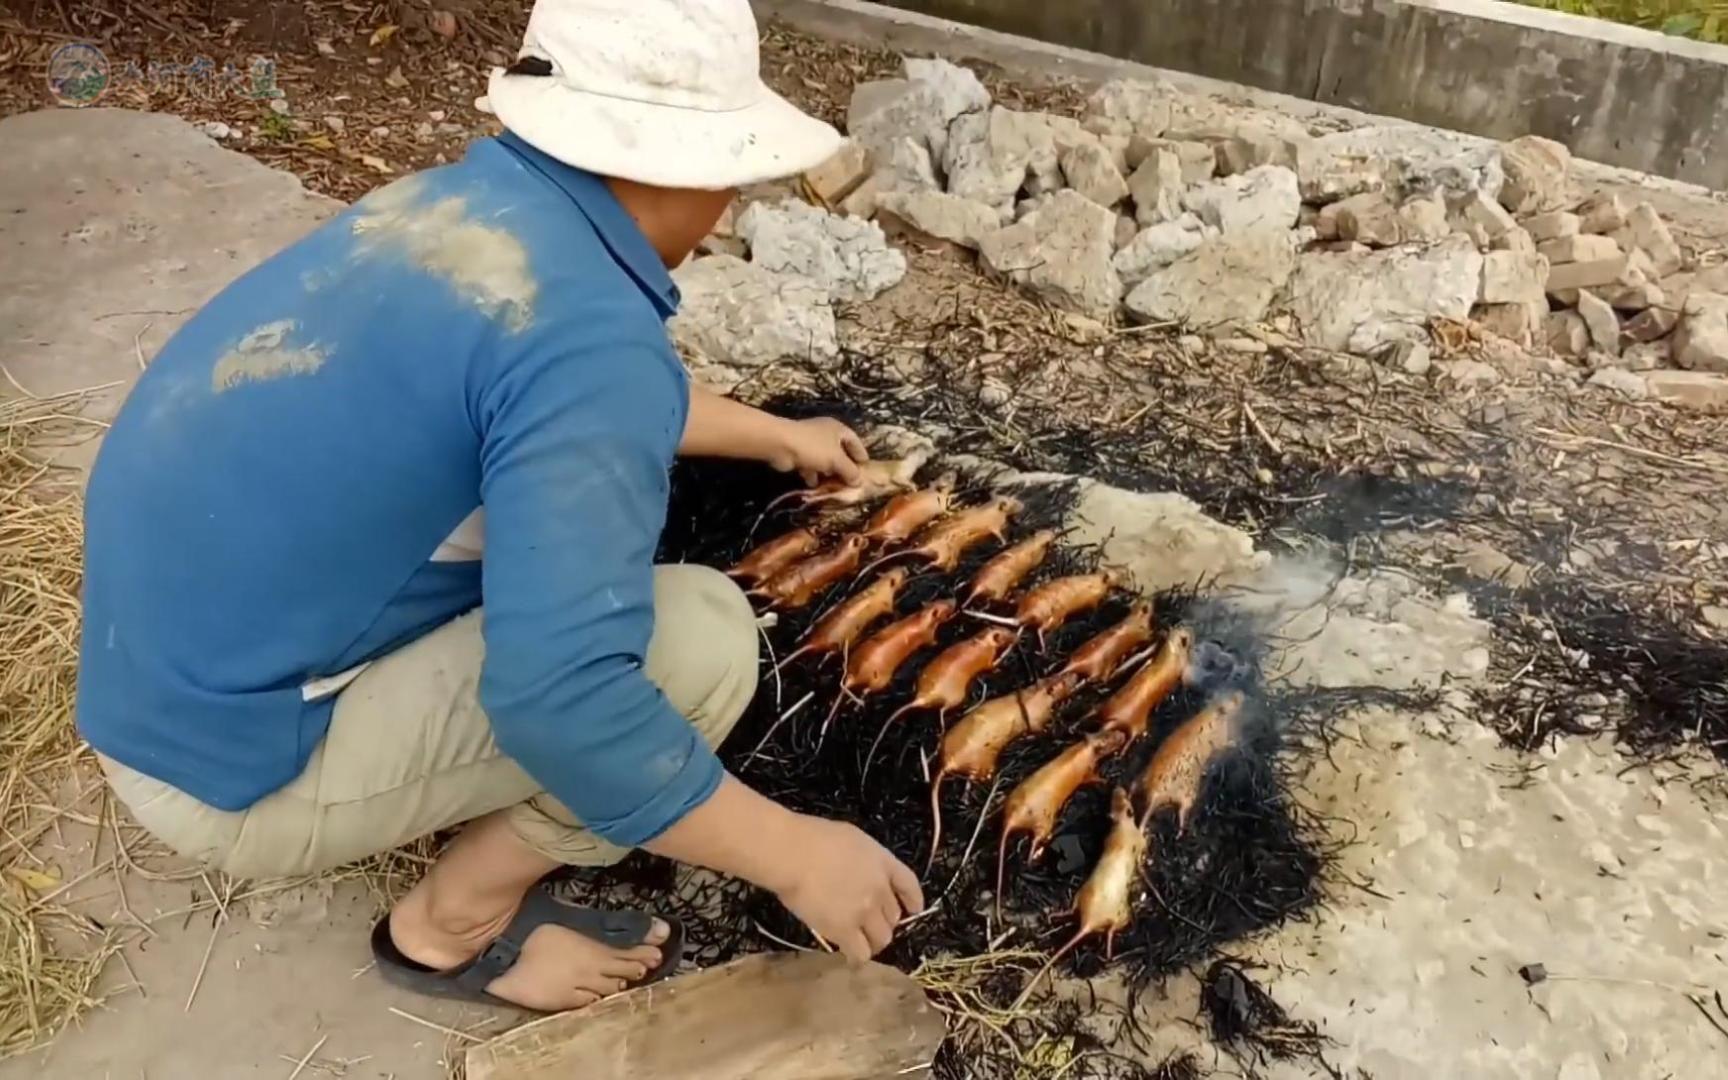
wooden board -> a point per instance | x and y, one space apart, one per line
780 1016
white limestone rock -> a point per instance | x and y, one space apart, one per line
943 216
1536 175
1263 198
1422 220
923 106
1333 295
1162 540
1198 161
1513 277
849 258
739 314
990 154
1232 278
1158 246
1701 338
1698 391
1156 187
1061 253
1128 107
1090 169
1618 380
1645 231
905 168
1422 160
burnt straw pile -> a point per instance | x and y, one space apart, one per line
1244 1016
1245 858
1611 647
1582 659
1574 654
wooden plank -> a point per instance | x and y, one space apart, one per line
779 1016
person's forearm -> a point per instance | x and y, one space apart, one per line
720 427
736 832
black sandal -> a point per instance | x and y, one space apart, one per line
614 929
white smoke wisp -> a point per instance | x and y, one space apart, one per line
1322 623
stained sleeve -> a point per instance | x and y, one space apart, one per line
576 444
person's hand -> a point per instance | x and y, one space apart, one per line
847 888
844 886
819 448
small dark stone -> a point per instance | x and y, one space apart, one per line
1533 973
1070 854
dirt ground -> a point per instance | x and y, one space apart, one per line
1474 847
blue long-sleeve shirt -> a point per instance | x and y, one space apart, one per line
480 345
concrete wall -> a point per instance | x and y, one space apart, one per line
1612 93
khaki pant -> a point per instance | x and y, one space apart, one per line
409 750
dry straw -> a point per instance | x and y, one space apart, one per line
50 957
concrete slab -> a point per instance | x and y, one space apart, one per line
114 227
1482 860
1612 93
289 969
1471 860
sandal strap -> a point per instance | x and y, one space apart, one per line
615 929
494 960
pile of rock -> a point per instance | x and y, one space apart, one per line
780 303
1163 208
1595 280
1598 261
1078 211
1598 281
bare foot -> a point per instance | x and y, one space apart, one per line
558 970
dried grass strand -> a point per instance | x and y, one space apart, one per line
50 957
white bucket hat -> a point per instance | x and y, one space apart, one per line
663 92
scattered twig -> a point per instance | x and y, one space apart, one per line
217 924
300 1065
203 964
1260 429
1698 1003
138 343
1653 455
776 939
425 1023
